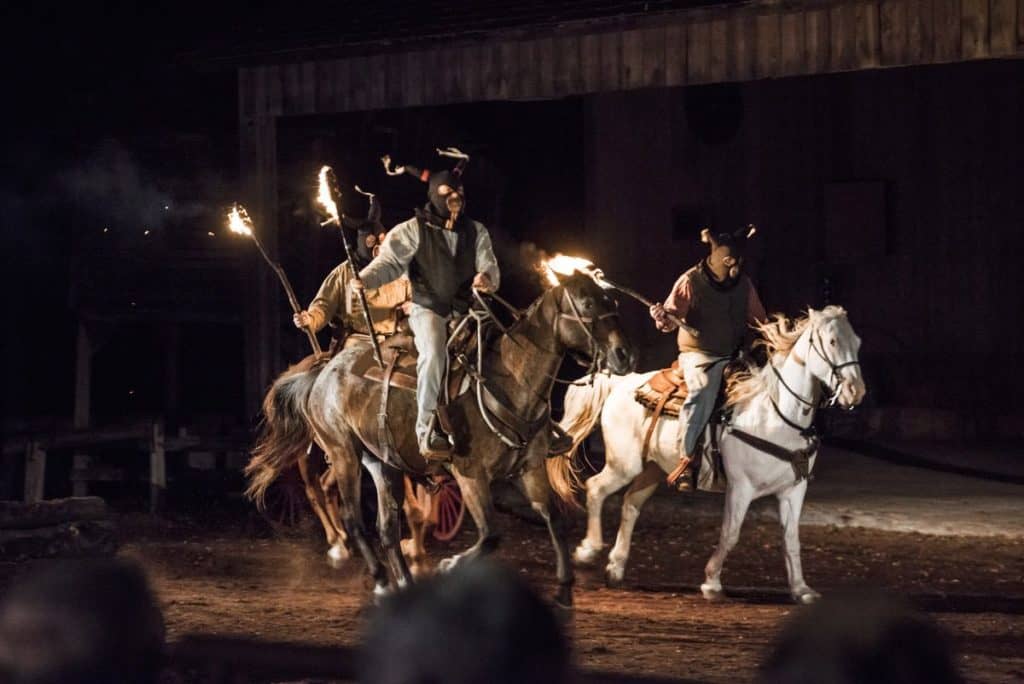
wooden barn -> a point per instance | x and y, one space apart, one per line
877 145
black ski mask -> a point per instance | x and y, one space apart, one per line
452 200
369 233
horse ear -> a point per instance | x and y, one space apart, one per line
705 235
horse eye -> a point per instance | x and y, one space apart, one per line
832 342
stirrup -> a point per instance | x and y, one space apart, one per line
681 479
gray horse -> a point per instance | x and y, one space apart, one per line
338 407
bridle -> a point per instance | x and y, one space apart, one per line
834 386
587 323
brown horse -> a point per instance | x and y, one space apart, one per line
518 367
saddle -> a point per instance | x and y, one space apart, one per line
664 395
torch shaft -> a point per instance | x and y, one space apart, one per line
292 299
362 296
630 292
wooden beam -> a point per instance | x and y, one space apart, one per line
947 30
718 55
675 55
920 31
893 22
698 52
611 61
974 26
768 48
22 516
590 62
793 44
157 468
866 17
817 36
652 41
843 48
83 401
35 473
632 59
743 57
1002 15
545 67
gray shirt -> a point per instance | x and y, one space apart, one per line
401 243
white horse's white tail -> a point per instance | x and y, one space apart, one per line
583 404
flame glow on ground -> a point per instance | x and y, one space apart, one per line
563 264
324 195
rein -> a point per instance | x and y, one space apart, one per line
798 458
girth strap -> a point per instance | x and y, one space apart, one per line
524 430
387 444
655 417
800 459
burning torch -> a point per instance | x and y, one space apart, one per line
566 265
239 222
326 195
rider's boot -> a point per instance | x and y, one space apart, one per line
435 446
681 477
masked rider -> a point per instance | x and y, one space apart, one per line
446 255
337 302
716 303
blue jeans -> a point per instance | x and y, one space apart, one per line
703 376
431 337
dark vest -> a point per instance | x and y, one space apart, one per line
718 313
440 281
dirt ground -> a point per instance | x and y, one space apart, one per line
233 579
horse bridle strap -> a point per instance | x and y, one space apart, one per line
799 459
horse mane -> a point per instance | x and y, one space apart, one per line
779 335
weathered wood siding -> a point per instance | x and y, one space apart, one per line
732 43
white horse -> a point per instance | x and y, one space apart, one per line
811 361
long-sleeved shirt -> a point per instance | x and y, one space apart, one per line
678 303
336 301
401 243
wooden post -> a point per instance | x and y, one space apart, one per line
35 472
83 387
157 467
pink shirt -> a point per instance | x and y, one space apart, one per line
678 303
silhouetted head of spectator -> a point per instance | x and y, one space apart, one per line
81 622
860 639
480 623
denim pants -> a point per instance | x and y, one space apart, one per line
431 337
703 376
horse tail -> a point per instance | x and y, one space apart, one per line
285 433
583 404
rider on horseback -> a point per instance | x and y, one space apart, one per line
337 302
717 303
446 254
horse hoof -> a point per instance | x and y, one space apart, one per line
585 555
711 592
806 597
448 564
563 598
613 577
337 555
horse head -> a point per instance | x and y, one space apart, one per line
832 356
587 323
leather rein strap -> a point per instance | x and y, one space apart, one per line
800 459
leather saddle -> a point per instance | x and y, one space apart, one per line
665 392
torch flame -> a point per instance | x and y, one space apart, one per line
566 265
324 196
239 221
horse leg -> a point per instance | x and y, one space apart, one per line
476 495
636 496
599 488
791 503
737 500
345 463
535 486
389 524
340 550
337 553
418 516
